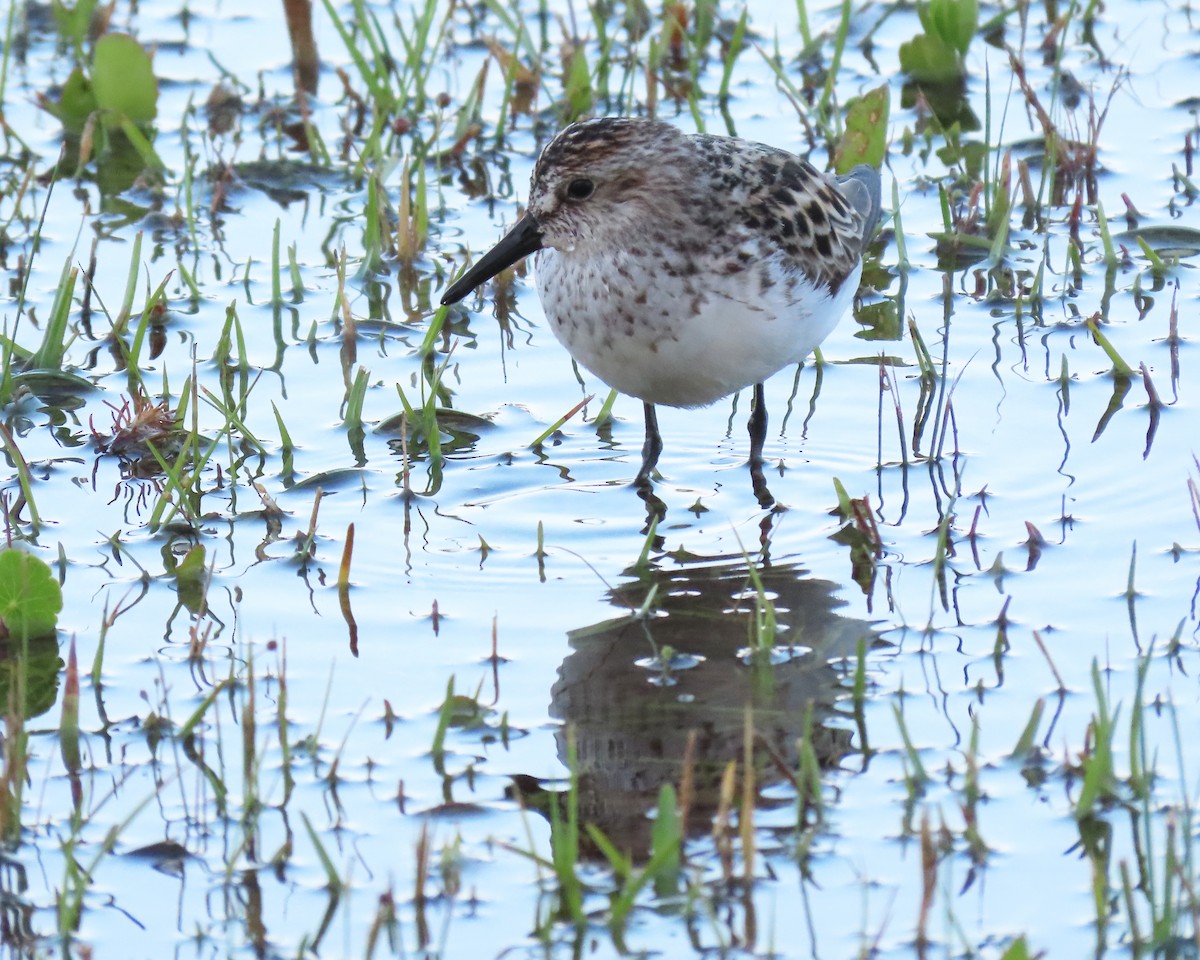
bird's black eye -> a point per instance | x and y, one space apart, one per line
580 189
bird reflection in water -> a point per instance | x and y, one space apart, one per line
633 689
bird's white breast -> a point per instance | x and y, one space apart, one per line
683 339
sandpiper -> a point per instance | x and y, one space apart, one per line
682 268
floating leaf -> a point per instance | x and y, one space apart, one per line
879 321
191 578
108 113
30 597
1166 241
953 22
73 21
123 78
58 384
76 102
930 59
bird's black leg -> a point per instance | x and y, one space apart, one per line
757 425
655 508
758 437
651 448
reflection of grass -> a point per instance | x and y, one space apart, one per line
12 514
1150 894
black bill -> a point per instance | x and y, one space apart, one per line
522 240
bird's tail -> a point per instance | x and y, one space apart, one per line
861 186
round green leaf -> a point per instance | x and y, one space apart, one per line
123 78
30 597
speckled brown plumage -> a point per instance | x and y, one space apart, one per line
681 268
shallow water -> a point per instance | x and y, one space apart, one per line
537 552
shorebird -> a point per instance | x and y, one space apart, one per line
680 268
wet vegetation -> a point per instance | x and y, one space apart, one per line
329 624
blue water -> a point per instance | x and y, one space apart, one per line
362 722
